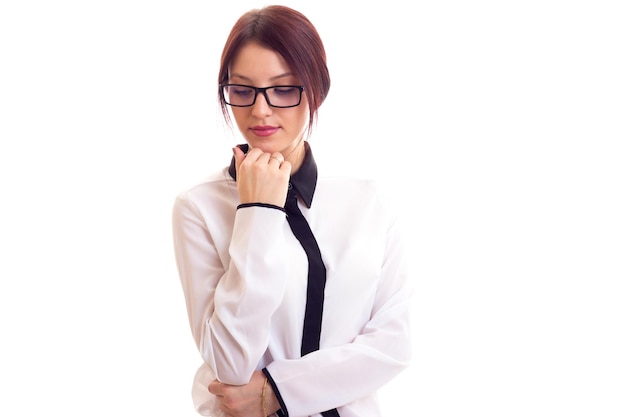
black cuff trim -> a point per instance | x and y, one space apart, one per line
244 205
283 408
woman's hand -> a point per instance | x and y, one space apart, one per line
262 177
245 400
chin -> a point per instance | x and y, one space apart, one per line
266 144
265 147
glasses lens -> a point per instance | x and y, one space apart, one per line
279 96
284 96
239 95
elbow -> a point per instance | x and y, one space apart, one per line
231 365
402 357
232 376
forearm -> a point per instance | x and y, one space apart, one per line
336 376
231 287
237 332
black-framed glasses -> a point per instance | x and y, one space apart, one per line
281 96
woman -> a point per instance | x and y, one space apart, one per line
295 284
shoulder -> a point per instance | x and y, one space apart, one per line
214 182
215 190
357 192
354 186
344 185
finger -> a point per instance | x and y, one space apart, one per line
277 157
286 167
216 388
239 156
265 157
253 154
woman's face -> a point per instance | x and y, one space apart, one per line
268 128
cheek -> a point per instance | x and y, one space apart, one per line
239 113
240 116
301 116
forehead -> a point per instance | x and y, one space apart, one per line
257 63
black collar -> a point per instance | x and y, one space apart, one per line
303 180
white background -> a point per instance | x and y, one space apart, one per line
500 124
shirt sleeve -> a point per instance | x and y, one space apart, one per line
231 296
336 376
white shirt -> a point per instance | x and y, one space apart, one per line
244 278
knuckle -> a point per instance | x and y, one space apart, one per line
257 168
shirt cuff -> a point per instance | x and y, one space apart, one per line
244 205
283 408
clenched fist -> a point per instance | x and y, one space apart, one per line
262 177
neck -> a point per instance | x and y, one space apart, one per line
295 155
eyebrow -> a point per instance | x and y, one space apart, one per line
287 74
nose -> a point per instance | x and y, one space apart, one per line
261 108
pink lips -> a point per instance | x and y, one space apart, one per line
264 130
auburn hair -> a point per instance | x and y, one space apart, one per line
290 34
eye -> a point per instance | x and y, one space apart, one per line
241 91
282 91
